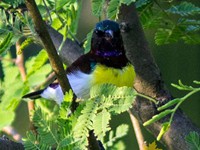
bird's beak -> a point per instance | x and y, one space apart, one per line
109 35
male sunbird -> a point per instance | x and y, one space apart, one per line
106 62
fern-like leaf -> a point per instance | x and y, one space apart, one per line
39 61
120 132
46 128
184 9
84 122
166 36
193 140
97 7
116 99
30 142
6 42
142 3
113 9
101 124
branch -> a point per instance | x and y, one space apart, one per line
70 50
42 32
20 64
149 82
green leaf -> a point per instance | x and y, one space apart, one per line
169 104
113 9
196 82
150 18
30 142
191 38
183 87
101 124
184 9
87 44
97 7
39 61
67 141
116 99
193 140
14 3
119 146
141 3
6 43
7 117
110 90
166 36
45 127
84 122
120 132
164 129
158 117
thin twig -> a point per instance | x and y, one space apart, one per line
138 132
42 32
20 63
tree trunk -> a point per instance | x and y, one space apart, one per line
149 82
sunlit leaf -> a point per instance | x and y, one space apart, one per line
97 7
164 129
184 9
113 9
101 124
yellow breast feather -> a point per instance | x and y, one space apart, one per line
118 77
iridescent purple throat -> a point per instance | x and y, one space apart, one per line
108 53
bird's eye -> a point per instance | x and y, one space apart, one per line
99 32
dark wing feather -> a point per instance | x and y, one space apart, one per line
33 95
85 63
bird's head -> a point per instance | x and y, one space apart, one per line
107 40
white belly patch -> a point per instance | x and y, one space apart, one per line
80 83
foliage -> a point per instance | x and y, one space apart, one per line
171 107
171 24
92 114
193 140
113 7
13 88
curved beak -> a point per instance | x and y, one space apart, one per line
109 34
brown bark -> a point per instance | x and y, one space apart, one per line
149 82
43 34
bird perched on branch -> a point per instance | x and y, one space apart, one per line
106 62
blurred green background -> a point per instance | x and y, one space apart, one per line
176 61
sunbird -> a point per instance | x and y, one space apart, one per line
106 62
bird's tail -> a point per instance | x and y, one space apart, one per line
34 95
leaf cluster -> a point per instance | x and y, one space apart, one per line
171 22
66 130
172 106
13 88
112 8
193 140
